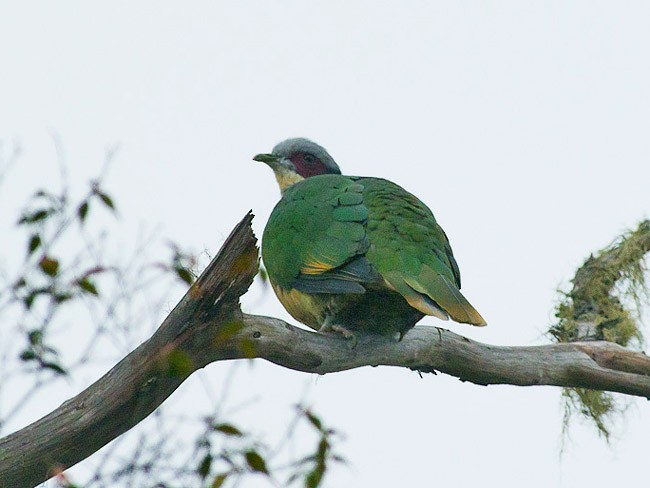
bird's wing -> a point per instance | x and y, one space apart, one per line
412 253
316 240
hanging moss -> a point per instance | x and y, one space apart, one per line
604 304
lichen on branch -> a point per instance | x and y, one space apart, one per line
605 303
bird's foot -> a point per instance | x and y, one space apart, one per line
339 329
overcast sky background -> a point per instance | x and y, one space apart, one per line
523 125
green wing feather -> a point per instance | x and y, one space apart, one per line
339 234
411 251
315 240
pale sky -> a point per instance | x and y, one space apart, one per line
523 125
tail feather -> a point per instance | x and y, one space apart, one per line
448 296
435 294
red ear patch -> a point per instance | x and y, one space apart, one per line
308 165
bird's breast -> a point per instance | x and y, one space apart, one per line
305 308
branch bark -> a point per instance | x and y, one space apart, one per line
207 325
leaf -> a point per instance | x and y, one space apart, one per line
264 276
219 480
323 446
315 421
204 467
28 301
256 462
108 201
50 266
27 355
88 286
34 243
184 274
35 337
33 217
228 429
57 368
315 477
61 297
82 211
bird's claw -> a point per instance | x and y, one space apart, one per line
339 329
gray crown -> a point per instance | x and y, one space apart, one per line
286 148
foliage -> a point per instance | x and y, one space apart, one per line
604 304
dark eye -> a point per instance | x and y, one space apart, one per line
309 158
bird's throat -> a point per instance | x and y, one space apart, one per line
286 177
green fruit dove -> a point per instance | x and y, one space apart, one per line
355 254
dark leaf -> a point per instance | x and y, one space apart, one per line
34 243
57 368
256 462
323 445
82 211
28 355
315 421
50 266
36 216
60 297
29 299
204 467
108 201
228 429
88 286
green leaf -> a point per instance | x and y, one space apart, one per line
28 355
315 477
61 297
108 201
219 480
88 286
228 429
204 467
57 368
50 266
28 301
315 421
264 276
184 274
35 337
82 211
36 216
34 243
256 462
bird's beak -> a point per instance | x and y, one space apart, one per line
269 159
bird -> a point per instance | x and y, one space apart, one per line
351 254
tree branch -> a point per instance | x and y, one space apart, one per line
207 325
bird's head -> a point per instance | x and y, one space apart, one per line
294 160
